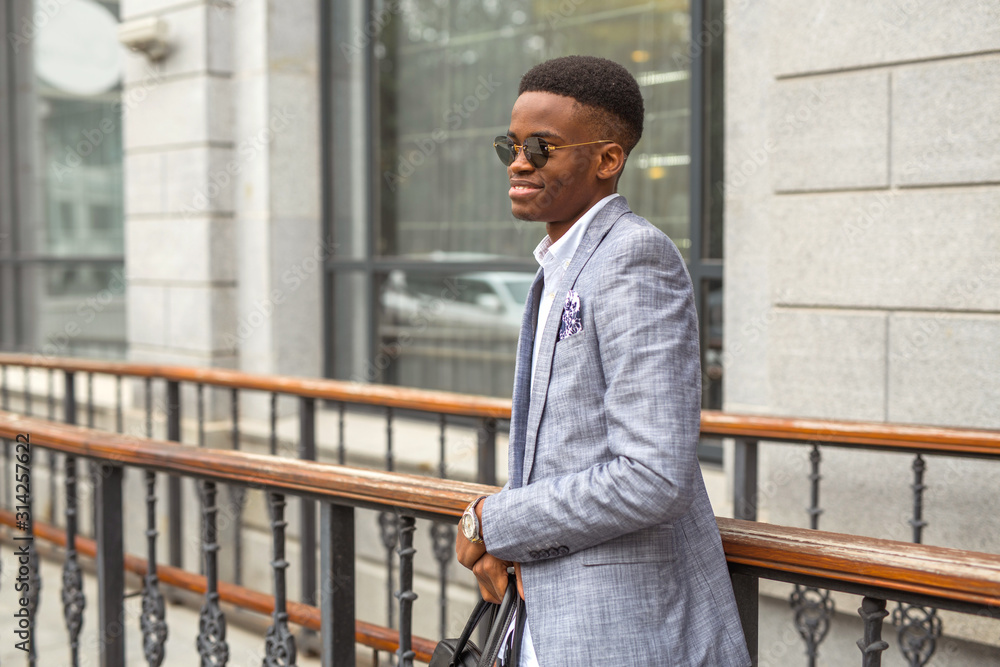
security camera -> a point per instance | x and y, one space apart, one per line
148 35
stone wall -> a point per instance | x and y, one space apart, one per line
862 200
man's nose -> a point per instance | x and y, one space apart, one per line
521 163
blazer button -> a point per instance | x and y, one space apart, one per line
563 550
533 554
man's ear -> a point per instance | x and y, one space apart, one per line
612 161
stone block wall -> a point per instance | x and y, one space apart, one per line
862 212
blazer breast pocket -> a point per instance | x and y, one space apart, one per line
649 545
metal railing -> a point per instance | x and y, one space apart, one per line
878 570
918 627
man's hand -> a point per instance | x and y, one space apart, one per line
491 572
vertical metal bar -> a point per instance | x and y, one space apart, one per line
917 522
341 445
406 595
175 509
337 596
69 397
90 400
237 494
814 479
747 591
443 537
487 451
213 649
307 534
152 622
274 424
51 416
745 496
201 415
119 409
110 566
73 598
279 644
390 463
872 611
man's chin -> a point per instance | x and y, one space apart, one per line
524 214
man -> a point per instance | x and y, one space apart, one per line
606 516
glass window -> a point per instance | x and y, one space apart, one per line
448 266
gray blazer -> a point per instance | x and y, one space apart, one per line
606 508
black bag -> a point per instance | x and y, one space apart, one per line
463 653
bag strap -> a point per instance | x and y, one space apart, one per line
498 630
515 647
477 615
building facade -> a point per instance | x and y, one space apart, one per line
308 188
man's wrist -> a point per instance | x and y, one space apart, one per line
472 522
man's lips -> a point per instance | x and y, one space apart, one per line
523 189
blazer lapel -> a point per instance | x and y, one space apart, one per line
599 228
522 382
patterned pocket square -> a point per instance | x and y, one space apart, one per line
572 322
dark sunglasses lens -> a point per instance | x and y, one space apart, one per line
537 151
505 150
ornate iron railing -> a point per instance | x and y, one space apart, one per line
878 570
918 627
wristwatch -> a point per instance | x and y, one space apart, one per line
470 522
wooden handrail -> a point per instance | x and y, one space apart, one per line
423 496
900 437
940 573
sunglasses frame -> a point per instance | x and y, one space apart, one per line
537 154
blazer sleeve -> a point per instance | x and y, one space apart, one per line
647 333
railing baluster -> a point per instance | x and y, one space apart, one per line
406 595
307 527
119 409
53 457
443 537
745 495
487 452
341 445
237 494
872 611
279 644
110 566
73 598
917 627
274 424
813 608
90 400
175 509
152 621
201 414
212 646
337 597
389 528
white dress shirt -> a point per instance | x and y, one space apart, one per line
554 259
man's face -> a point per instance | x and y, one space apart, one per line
565 187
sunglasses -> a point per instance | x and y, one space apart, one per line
536 150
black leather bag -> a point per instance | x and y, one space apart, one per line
461 652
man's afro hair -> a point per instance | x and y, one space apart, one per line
594 82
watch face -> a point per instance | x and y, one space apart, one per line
468 526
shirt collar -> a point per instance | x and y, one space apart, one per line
548 253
